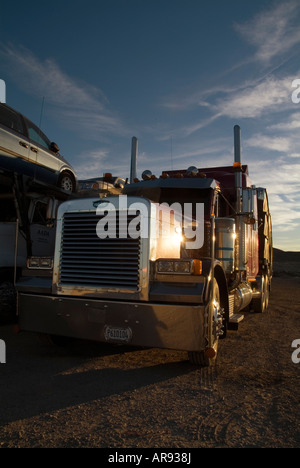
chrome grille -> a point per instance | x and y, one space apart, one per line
87 260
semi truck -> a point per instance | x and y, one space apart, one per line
172 262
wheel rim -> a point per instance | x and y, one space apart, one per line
213 330
266 292
216 319
66 184
263 294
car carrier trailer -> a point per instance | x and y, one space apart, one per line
27 229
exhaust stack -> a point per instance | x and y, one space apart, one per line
237 156
240 261
134 150
2 91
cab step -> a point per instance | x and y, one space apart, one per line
234 321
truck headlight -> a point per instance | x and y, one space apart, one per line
164 266
182 267
177 266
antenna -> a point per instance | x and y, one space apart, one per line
171 152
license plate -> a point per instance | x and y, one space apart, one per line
118 334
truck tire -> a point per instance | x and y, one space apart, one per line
7 302
267 291
207 357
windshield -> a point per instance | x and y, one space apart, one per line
172 195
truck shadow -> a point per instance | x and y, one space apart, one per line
53 380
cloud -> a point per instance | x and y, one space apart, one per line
188 130
252 100
289 125
201 98
270 95
280 144
96 161
94 168
79 104
281 179
273 32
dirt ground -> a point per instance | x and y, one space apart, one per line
95 395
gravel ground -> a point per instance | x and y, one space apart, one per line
96 395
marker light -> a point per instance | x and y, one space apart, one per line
146 175
192 171
42 263
210 352
197 267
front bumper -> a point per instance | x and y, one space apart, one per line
171 326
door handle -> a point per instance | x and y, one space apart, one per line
22 143
33 149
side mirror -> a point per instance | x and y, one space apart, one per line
54 147
248 218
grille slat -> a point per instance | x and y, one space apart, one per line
95 262
87 260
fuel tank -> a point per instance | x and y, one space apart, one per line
242 296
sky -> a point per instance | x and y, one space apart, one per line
176 74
